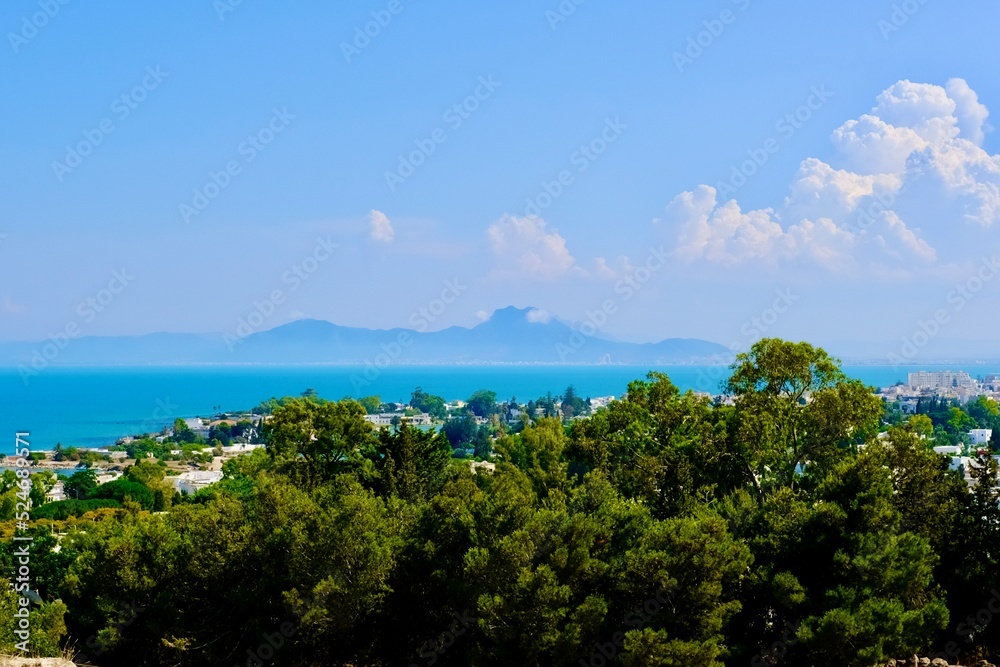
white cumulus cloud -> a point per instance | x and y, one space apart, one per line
908 171
539 316
970 113
526 247
381 227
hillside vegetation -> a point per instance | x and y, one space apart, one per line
662 530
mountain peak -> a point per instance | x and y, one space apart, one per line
510 335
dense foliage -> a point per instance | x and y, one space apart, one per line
64 509
661 530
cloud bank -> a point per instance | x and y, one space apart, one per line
908 174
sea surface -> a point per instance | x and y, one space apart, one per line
89 407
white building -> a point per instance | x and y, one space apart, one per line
940 380
197 426
980 436
601 402
964 465
241 448
196 480
386 418
949 450
106 476
56 493
484 466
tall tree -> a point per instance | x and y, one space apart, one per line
482 403
795 406
411 463
315 441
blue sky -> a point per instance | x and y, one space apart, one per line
309 129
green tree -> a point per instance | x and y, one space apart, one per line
61 453
482 403
315 441
795 406
432 405
221 433
146 472
572 405
460 430
411 463
921 425
482 443
985 411
79 485
46 622
959 422
182 433
371 404
122 489
654 445
676 530
41 483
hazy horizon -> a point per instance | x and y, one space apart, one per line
169 170
936 351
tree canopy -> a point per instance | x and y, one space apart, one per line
787 523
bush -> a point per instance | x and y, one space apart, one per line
64 509
122 488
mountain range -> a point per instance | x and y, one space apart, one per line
510 335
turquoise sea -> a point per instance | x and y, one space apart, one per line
89 407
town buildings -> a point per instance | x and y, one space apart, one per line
940 380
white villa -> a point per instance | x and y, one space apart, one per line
980 436
196 480
56 493
385 418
